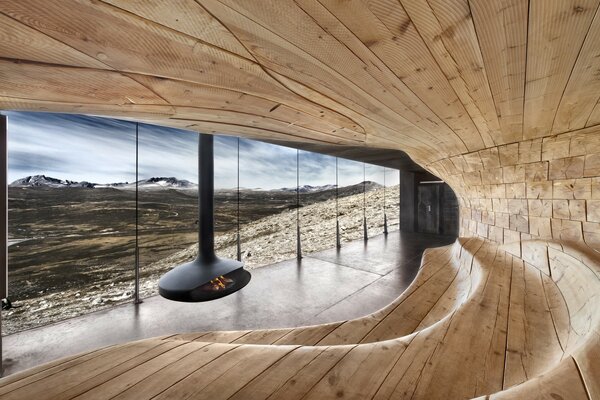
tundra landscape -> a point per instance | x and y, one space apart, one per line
72 244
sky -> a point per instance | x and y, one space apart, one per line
102 150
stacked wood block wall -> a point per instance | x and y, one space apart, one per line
546 188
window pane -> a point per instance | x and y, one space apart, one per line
374 176
71 218
317 200
268 214
168 202
392 198
351 201
226 166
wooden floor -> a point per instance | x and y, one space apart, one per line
476 322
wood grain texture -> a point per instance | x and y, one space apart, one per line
436 78
498 98
501 328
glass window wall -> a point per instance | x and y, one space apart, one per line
86 193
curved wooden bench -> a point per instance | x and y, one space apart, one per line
477 322
420 305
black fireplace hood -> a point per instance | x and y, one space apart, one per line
208 277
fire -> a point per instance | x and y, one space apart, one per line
218 283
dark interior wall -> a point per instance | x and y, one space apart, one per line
427 205
449 219
408 197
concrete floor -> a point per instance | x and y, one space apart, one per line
324 287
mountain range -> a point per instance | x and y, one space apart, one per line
308 188
145 184
158 183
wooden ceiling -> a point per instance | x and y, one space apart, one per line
435 78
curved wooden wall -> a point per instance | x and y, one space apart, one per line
477 322
499 98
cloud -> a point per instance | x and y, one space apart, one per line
102 150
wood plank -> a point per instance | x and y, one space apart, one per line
581 290
253 24
54 384
406 373
379 134
137 373
140 113
222 336
267 336
532 344
429 76
447 29
30 375
149 49
233 370
557 30
267 122
308 336
481 354
594 118
186 16
524 320
587 360
558 311
354 331
277 375
408 315
353 376
21 42
74 85
454 296
501 28
116 372
153 384
417 111
581 93
179 93
563 382
253 132
296 387
330 60
186 337
384 29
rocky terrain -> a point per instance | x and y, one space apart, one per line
74 254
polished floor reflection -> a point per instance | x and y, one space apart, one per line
327 286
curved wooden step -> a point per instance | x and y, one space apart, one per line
477 322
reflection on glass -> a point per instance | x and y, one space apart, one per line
317 201
351 199
392 199
374 185
71 216
226 196
167 202
268 203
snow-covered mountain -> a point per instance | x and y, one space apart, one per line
145 184
344 190
46 181
165 183
308 188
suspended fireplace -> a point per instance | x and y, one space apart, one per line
208 277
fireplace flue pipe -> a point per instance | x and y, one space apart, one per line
191 282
